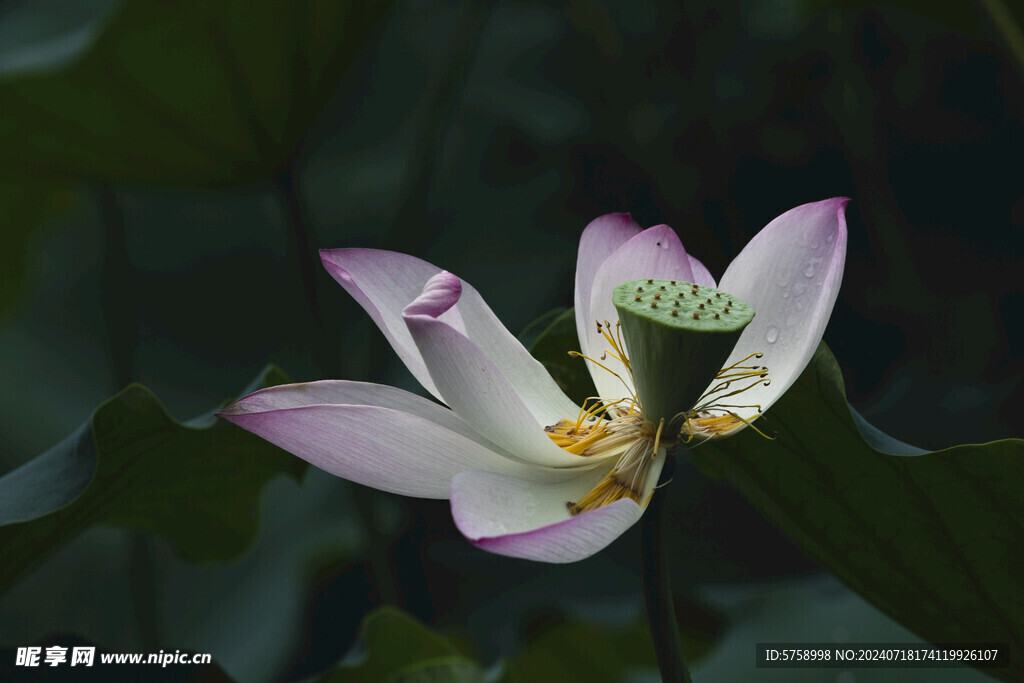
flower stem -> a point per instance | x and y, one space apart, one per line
657 591
302 254
117 289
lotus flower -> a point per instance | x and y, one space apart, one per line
529 473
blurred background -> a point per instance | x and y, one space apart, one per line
168 171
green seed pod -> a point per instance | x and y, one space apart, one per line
679 336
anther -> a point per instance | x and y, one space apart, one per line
639 289
636 298
654 305
718 295
709 300
716 316
657 296
726 309
696 316
675 313
662 288
701 307
676 304
672 281
650 282
680 295
730 303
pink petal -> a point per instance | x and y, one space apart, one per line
387 284
344 392
790 272
440 293
654 253
599 240
530 520
397 442
384 283
701 275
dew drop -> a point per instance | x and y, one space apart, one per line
800 287
809 270
771 335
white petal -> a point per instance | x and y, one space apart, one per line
524 373
475 387
344 392
511 517
599 240
381 447
654 253
386 283
790 273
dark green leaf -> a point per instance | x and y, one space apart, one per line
47 35
931 538
183 92
393 646
574 652
133 464
550 338
537 328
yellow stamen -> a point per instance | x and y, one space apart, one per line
577 354
700 422
609 490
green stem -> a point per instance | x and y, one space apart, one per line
302 254
116 289
119 309
657 590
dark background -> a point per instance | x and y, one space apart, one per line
483 138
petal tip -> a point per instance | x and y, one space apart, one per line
440 293
332 266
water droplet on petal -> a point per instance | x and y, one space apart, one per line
771 335
799 288
809 270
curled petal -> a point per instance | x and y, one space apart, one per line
508 516
396 442
439 294
790 273
384 283
653 253
481 393
388 284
